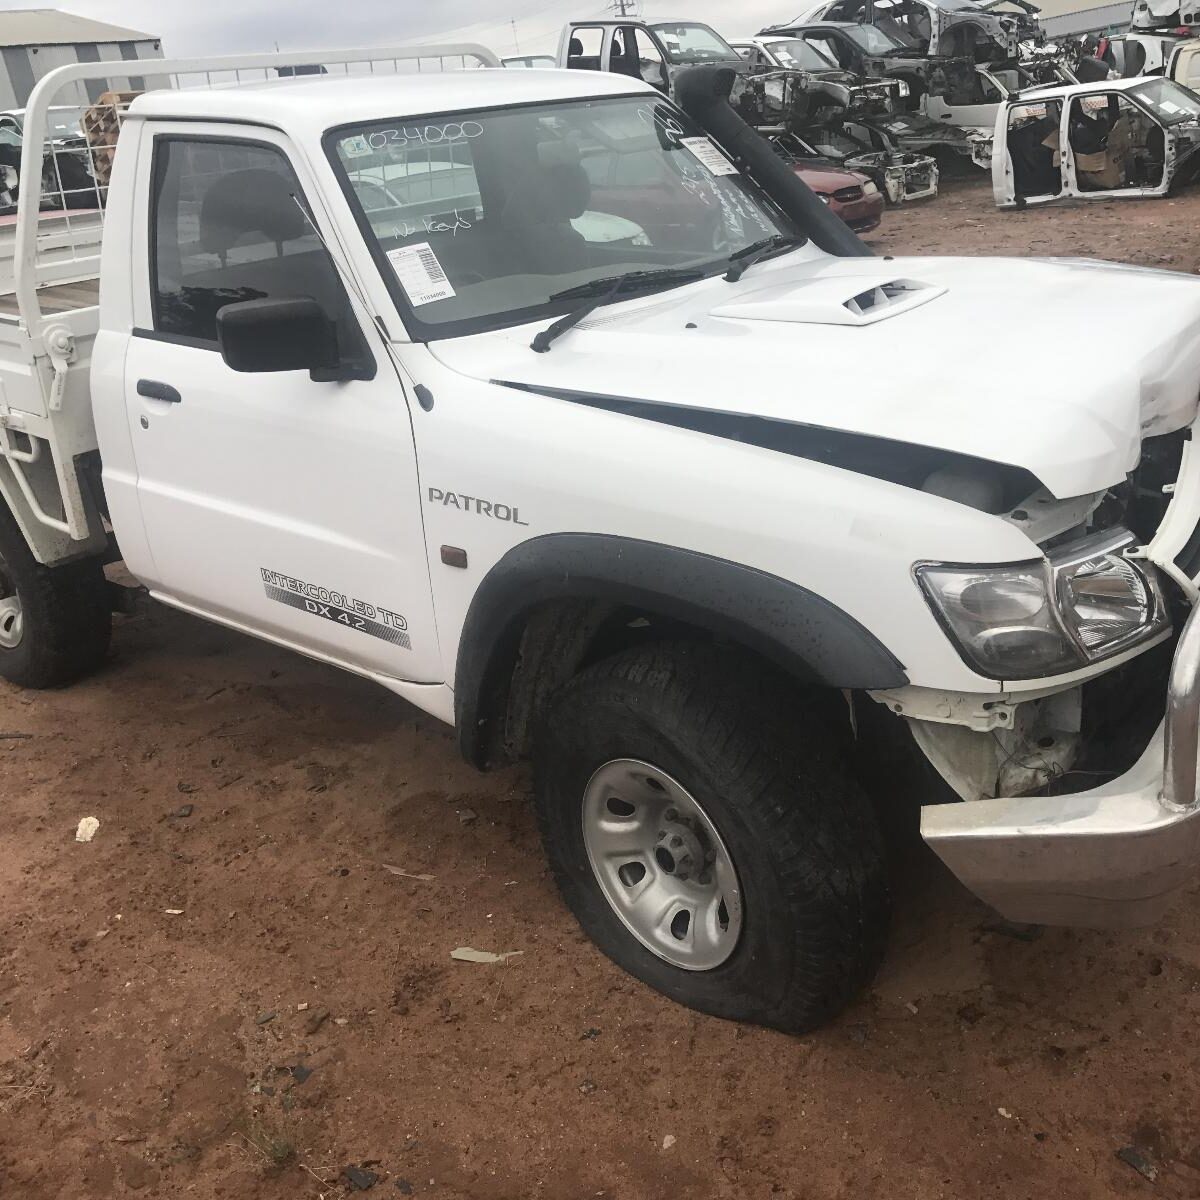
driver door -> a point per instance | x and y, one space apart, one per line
279 503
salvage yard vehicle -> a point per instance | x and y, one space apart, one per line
577 498
870 53
769 97
938 28
899 176
67 179
852 196
795 54
1120 138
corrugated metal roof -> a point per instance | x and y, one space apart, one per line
49 27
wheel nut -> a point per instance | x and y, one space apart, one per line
670 814
677 840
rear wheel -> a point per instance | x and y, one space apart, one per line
710 838
55 622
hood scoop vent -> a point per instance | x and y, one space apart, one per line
834 300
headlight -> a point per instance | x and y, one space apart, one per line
869 188
901 89
823 197
1046 618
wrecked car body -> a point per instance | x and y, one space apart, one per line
1025 19
857 94
947 28
1165 14
770 98
871 53
944 94
911 133
1121 138
901 176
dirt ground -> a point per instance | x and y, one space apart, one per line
227 993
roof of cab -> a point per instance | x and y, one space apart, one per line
310 104
1081 89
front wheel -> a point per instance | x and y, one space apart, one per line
709 837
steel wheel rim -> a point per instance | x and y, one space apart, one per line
657 856
11 622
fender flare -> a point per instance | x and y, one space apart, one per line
798 630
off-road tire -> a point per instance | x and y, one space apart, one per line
65 614
802 834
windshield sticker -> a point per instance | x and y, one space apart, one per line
420 274
356 146
337 607
713 161
426 135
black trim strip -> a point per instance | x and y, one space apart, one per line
174 339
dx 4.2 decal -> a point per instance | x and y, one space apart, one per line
336 606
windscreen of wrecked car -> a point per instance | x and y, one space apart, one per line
800 55
872 40
1168 101
688 42
481 219
64 123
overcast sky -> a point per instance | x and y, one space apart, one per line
191 27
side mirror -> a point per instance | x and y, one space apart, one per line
279 335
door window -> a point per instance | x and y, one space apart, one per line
833 49
583 48
229 224
650 59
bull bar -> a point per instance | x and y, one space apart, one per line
1114 855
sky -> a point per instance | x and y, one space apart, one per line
197 27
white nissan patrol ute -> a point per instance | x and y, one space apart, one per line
570 415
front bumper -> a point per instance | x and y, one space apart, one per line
1111 856
861 215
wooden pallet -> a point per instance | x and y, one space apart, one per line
101 125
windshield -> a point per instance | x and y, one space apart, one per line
64 122
690 43
872 40
479 219
1169 102
800 55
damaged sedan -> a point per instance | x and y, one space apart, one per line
901 175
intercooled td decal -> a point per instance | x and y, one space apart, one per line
337 607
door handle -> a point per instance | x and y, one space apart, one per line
158 391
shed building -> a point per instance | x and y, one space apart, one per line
33 41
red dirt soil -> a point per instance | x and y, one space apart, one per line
134 1054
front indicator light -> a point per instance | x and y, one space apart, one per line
1107 600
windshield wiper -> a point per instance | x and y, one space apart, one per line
604 291
740 261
